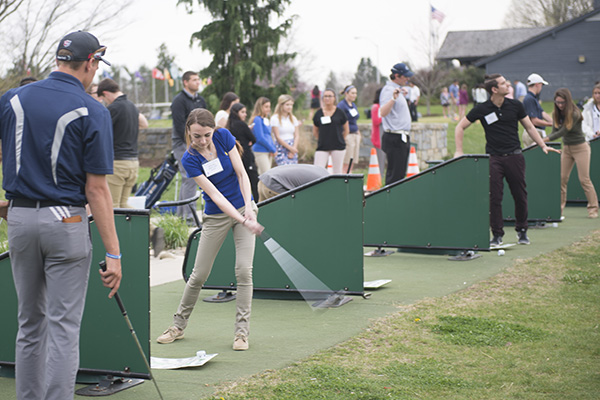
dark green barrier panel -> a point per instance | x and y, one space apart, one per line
575 194
319 224
542 174
444 207
106 346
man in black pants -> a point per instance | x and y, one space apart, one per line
499 117
396 123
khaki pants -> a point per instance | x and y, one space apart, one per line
579 154
528 141
263 162
214 231
352 147
264 192
120 183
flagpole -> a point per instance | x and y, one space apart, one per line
153 94
430 36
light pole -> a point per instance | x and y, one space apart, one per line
376 48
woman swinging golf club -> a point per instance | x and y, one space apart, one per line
213 160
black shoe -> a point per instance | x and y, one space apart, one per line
522 236
496 241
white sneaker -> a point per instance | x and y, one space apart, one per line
240 343
170 335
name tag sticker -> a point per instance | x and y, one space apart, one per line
212 167
353 112
491 118
325 120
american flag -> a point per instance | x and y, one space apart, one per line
437 14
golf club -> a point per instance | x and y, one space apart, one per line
124 312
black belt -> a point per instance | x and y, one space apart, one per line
512 153
27 203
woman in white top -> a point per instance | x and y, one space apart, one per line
285 128
591 115
222 115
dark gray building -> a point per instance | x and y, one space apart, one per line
566 55
468 47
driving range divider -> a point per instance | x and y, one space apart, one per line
319 223
445 207
106 345
542 174
575 194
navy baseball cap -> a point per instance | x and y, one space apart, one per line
83 46
402 69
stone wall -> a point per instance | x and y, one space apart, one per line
154 144
430 141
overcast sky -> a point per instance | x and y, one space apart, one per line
327 34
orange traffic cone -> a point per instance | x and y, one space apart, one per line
374 177
330 166
413 163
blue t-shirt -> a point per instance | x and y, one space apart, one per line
225 181
349 110
53 133
262 132
533 107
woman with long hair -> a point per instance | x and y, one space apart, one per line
567 120
353 138
330 127
236 123
213 160
285 128
228 100
591 115
315 101
264 147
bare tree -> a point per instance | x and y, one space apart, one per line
31 31
429 81
539 13
7 7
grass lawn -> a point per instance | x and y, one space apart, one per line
531 332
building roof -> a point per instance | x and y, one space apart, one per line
593 15
474 45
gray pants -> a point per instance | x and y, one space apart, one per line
214 231
50 265
188 186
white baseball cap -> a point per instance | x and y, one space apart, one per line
535 78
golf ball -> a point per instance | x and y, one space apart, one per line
500 252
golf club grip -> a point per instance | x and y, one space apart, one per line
117 297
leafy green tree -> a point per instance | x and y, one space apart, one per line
244 46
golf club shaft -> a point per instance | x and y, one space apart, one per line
135 338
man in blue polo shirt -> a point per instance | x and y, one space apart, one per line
539 118
57 151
